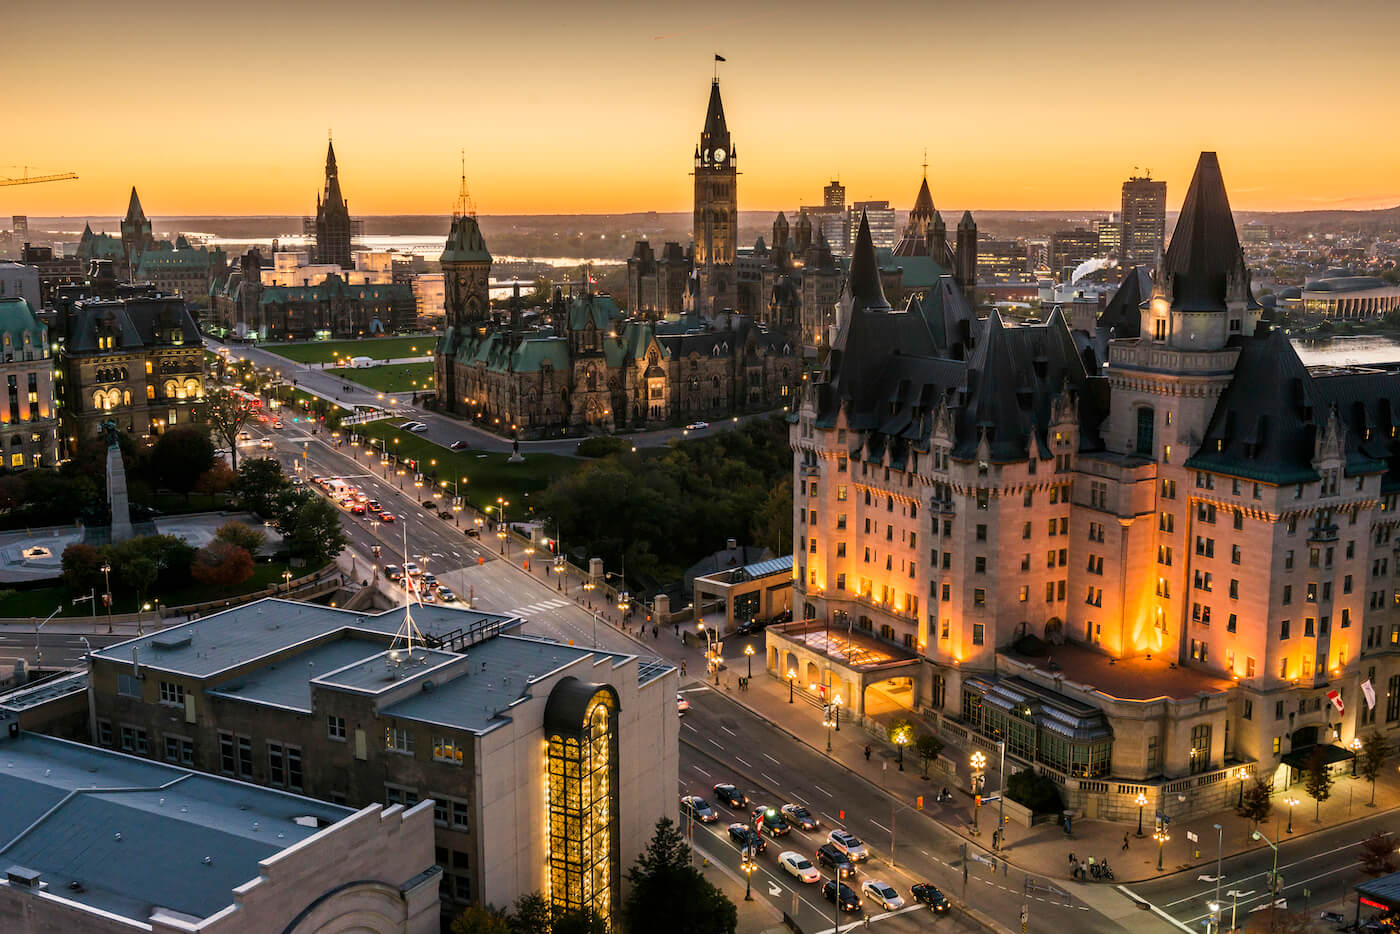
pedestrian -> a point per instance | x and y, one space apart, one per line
682 668
656 632
678 629
685 638
1072 861
867 753
1125 841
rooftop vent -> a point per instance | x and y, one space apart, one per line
19 875
169 641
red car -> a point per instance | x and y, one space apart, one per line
386 517
358 509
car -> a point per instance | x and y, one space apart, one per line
357 508
883 894
430 505
830 856
457 445
750 626
262 418
386 517
373 505
927 893
414 427
697 426
411 569
698 808
848 843
743 835
682 705
265 444
445 515
799 866
771 821
473 532
428 580
426 596
731 796
446 595
245 436
277 424
317 479
842 893
393 572
800 817
359 497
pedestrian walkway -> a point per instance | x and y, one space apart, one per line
756 916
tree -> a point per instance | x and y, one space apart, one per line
1374 750
772 523
479 920
1317 781
530 915
221 564
668 894
260 482
226 414
928 747
140 572
181 456
82 567
1258 800
1377 854
578 921
244 536
313 531
217 479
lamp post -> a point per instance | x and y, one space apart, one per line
901 739
287 578
790 676
1273 876
503 503
748 653
836 711
712 649
1001 792
978 763
38 652
1355 750
826 722
107 579
1161 837
1141 803
1292 803
1242 775
747 865
1219 852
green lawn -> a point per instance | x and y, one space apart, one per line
488 474
40 601
400 377
380 348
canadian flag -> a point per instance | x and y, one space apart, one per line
1336 698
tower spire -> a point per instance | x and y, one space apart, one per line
464 198
926 163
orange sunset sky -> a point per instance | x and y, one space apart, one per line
595 107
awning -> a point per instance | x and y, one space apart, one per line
1383 893
1298 758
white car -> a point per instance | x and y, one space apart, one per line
682 705
411 569
849 844
800 866
883 893
414 426
697 426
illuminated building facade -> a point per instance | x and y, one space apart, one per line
1153 570
548 764
28 416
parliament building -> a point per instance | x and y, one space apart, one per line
1156 557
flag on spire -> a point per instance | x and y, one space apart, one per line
719 58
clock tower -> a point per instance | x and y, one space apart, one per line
466 282
716 209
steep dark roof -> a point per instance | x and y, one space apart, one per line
133 321
923 202
1205 250
863 281
1123 314
715 128
953 324
133 208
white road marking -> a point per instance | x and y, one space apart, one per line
727 730
768 778
690 728
702 771
742 762
1154 909
714 744
797 799
771 759
881 826
822 790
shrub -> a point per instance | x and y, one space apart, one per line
602 446
220 564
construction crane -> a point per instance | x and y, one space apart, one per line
27 179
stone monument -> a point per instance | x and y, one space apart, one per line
116 487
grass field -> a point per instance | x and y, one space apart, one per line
380 348
489 475
40 601
399 377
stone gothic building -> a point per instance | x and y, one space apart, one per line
1159 558
333 226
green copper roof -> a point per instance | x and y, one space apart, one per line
465 243
17 322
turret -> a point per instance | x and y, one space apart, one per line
966 259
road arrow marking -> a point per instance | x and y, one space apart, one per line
1239 894
1281 903
1204 878
774 890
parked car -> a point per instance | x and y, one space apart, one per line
771 820
731 795
750 626
743 835
699 808
472 532
799 866
850 844
841 893
445 515
800 817
927 893
831 857
430 505
883 894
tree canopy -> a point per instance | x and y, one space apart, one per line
669 894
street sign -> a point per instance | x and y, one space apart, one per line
1192 837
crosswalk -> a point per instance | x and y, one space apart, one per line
525 611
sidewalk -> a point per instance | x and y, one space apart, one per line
756 916
1043 849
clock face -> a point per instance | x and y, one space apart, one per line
719 155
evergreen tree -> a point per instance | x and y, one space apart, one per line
479 920
668 894
1318 781
531 915
1374 750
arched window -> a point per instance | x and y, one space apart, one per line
99 400
191 388
172 389
114 398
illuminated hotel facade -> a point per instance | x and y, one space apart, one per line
1143 557
548 764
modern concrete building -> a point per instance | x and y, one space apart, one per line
1155 558
1350 297
1144 221
880 216
548 764
105 843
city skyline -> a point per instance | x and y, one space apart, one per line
557 123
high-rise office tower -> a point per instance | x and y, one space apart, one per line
1144 220
834 196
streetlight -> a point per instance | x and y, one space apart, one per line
1161 837
901 739
145 607
38 652
1242 775
287 577
1219 852
748 652
1141 803
1001 791
790 676
1355 750
1292 803
826 722
107 579
747 865
978 762
1273 876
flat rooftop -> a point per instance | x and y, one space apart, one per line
287 683
853 648
214 644
130 836
1137 678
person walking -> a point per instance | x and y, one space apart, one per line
1125 842
682 668
867 753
